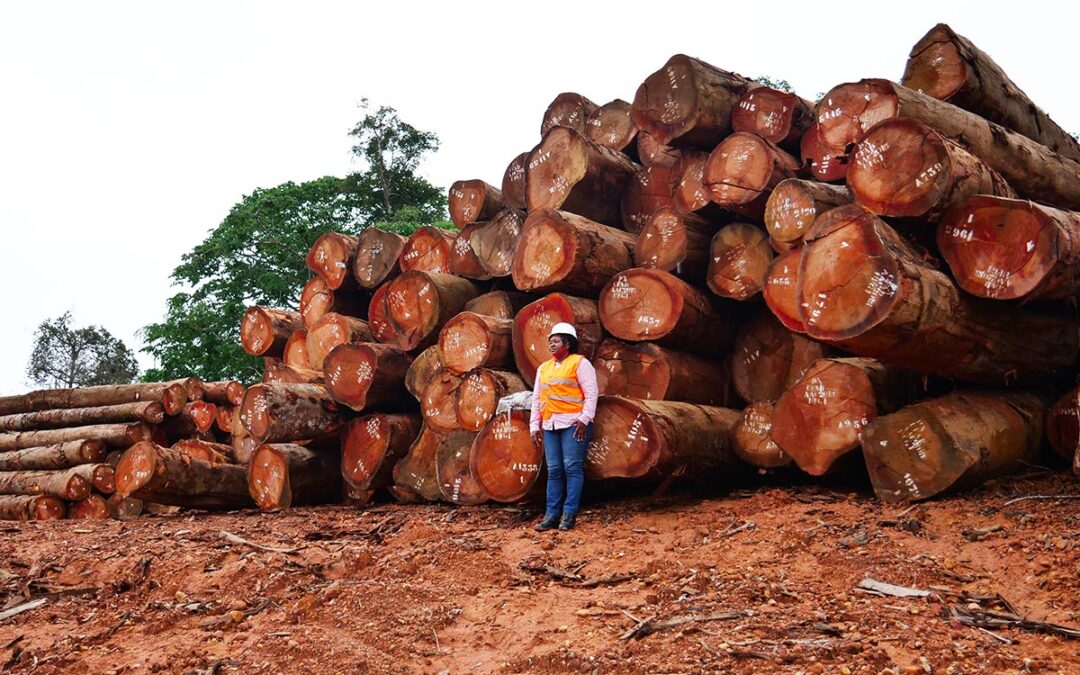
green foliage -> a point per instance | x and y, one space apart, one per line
782 85
65 356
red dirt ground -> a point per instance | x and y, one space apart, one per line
760 581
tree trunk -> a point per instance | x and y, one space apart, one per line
561 251
794 205
752 441
781 290
31 508
533 323
479 394
264 331
568 110
409 311
224 393
499 304
112 435
688 102
166 476
651 188
646 370
151 412
739 260
643 304
172 395
1007 249
949 67
378 257
952 442
372 445
464 258
274 413
571 173
52 457
504 460
69 484
422 370
743 170
317 300
675 242
634 438
296 351
93 507
457 485
438 404
652 153
428 250
277 372
779 117
1063 425
494 243
474 200
903 168
864 289
612 126
513 182
768 359
101 476
691 194
208 451
415 473
364 375
331 257
469 341
284 475
333 330
822 162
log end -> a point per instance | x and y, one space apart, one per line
640 304
848 111
625 442
790 211
349 371
363 448
662 242
268 479
256 331
255 412
456 481
329 258
137 467
427 250
900 168
546 251
316 299
738 169
504 460
477 399
666 104
752 441
234 392
47 508
764 111
466 201
936 67
464 343
554 167
739 261
173 399
781 290
93 507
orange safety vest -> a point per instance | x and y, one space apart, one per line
559 388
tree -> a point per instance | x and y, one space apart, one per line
775 83
65 356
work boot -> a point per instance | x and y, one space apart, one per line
567 522
548 523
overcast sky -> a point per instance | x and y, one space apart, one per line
128 130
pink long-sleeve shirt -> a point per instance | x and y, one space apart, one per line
586 377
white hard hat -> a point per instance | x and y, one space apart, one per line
563 329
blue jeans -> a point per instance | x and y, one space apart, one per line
565 459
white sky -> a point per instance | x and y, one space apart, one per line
128 129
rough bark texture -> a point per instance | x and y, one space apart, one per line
456 482
464 259
781 290
31 508
151 412
612 126
166 476
273 413
751 439
739 261
676 242
794 205
362 375
649 371
275 371
768 359
744 168
333 330
70 484
779 117
296 351
409 311
651 188
284 474
479 394
370 447
112 435
1063 426
317 300
264 331
428 250
504 460
378 256
421 370
438 404
474 200
821 161
469 341
215 453
415 474
494 242
331 257
533 323
513 182
52 457
172 395
499 304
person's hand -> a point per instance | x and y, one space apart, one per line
580 429
538 439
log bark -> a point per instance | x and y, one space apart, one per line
296 351
333 330
612 126
779 117
676 242
903 168
649 371
533 323
739 261
93 507
24 507
651 188
634 438
513 182
949 67
561 251
768 359
265 331
494 243
1007 249
652 153
276 372
378 257
821 161
504 460
568 110
363 375
428 250
415 473
52 457
372 445
112 435
752 441
408 312
952 442
688 103
1063 426
479 394
474 200
499 304
743 170
469 341
794 205
243 446
781 290
571 173
317 300
208 451
438 404
151 412
866 290
331 257
225 393
643 304
422 370
69 484
273 413
166 476
464 258
172 395
282 475
457 485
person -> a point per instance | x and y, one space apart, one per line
563 407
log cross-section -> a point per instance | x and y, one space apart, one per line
265 331
273 413
504 460
533 324
370 447
408 312
167 476
331 258
363 375
474 200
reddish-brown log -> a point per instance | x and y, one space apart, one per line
243 445
51 457
751 439
370 447
794 205
779 117
743 170
494 243
264 331
820 160
317 300
1006 248
378 257
166 476
464 258
415 473
469 341
456 482
428 250
561 251
101 477
112 435
124 508
333 330
568 110
409 311
362 375
504 460
651 188
691 194
274 371
952 442
865 289
646 370
479 394
781 290
422 370
296 351
1063 426
533 324
438 404
202 413
676 242
70 484
331 257
215 453
739 260
23 507
612 126
499 304
474 200
225 393
768 359
172 395
274 413
513 182
284 474
569 172
224 417
93 507
151 412
652 153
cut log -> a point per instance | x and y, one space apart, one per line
779 117
474 200
151 412
568 110
273 413
646 370
768 359
124 508
415 473
569 172
743 170
561 251
634 438
651 188
688 103
479 394
469 341
93 507
643 304
794 205
409 311
243 446
422 370
224 417
821 161
333 330
513 182
225 393
903 168
428 250
112 435
533 323
652 153
101 476
676 242
504 460
739 260
611 126
52 457
378 256
949 67
202 413
24 507
215 453
317 300
438 404
866 290
494 243
331 257
464 259
277 372
372 445
264 331
1006 249
70 484
751 439
952 442
1063 425
282 475
172 395
363 375
781 290
296 351
457 485
499 304
691 194
166 476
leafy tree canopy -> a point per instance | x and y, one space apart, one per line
66 356
775 83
